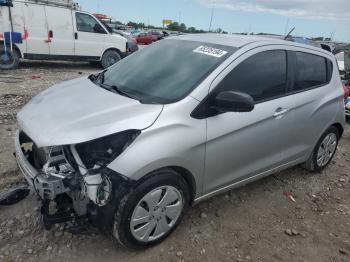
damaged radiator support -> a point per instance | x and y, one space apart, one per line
64 184
80 187
73 181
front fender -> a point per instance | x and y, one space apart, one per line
173 140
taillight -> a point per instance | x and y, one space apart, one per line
346 92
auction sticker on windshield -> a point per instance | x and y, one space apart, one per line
206 50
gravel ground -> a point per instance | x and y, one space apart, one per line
253 223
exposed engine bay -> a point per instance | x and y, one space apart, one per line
73 181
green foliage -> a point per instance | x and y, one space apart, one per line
136 25
173 27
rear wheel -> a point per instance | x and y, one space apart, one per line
150 212
8 59
324 150
110 57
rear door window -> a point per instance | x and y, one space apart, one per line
311 71
263 76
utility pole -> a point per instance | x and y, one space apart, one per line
179 17
211 16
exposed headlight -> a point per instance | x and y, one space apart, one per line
104 150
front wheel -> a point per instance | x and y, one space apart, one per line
110 57
8 59
150 212
324 150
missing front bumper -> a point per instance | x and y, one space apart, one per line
46 187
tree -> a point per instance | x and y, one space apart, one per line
135 25
219 30
191 30
174 26
182 27
132 24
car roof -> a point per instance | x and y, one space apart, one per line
241 40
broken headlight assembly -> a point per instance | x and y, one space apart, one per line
92 158
100 152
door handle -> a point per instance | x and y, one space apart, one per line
280 112
76 35
49 36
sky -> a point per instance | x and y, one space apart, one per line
311 18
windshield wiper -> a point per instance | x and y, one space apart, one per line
92 77
119 91
123 93
100 77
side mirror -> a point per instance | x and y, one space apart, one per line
230 101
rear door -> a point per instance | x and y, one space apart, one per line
36 25
90 36
61 33
316 99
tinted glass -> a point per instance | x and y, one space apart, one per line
86 23
329 70
167 70
263 76
311 71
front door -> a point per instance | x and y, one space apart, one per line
241 145
90 36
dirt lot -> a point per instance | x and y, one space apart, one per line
253 223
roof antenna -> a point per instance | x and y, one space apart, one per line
285 38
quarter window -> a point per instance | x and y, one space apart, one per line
311 71
86 23
263 76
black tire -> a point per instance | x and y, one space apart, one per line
8 60
311 164
121 228
109 58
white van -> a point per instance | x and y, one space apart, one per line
57 30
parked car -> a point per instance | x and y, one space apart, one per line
55 31
131 44
174 33
157 35
139 146
144 38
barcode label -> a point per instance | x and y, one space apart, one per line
206 50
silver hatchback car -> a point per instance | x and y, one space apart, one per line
175 123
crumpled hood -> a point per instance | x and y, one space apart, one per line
78 110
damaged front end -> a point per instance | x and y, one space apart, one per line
73 181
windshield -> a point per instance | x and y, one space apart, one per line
107 26
166 71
